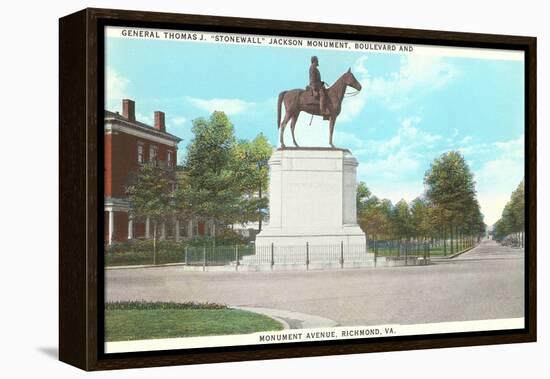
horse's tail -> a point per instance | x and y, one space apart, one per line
280 101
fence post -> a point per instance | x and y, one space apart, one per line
399 248
236 257
406 253
185 249
425 251
375 253
341 254
307 255
272 255
204 258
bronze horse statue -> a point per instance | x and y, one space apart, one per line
298 100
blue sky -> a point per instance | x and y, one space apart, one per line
412 108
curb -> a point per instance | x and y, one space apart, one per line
292 320
457 254
144 266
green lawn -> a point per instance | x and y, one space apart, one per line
125 323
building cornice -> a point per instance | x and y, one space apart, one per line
113 124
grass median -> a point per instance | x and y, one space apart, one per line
127 321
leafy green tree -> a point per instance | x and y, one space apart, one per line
151 195
451 188
419 216
448 210
512 221
223 181
402 220
251 170
373 214
363 197
210 187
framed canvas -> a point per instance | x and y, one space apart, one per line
241 189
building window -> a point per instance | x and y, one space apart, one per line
169 159
153 154
140 153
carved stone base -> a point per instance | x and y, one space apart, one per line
312 199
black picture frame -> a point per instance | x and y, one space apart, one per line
81 73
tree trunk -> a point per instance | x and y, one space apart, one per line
451 238
444 240
260 210
214 232
154 242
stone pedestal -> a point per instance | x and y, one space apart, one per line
312 199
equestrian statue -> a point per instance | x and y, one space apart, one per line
316 100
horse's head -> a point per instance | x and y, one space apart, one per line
350 80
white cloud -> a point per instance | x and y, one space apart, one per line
179 120
455 133
417 73
349 140
466 139
408 190
513 148
116 89
316 134
390 167
408 138
352 106
229 106
146 119
497 178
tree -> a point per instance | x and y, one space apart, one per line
151 195
512 220
363 197
252 176
210 187
402 220
451 189
419 218
373 215
224 180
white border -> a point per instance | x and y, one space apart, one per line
315 334
264 40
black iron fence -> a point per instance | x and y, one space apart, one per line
272 254
190 255
397 248
306 254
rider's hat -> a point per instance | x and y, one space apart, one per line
314 59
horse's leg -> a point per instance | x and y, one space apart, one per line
292 125
332 121
282 127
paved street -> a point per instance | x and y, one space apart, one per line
485 283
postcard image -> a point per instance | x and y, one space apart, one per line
265 189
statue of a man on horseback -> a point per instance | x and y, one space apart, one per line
317 87
315 100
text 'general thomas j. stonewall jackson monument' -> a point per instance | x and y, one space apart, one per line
312 190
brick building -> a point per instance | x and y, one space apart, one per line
129 143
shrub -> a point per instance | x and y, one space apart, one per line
143 305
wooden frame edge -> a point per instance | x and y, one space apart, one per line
78 195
